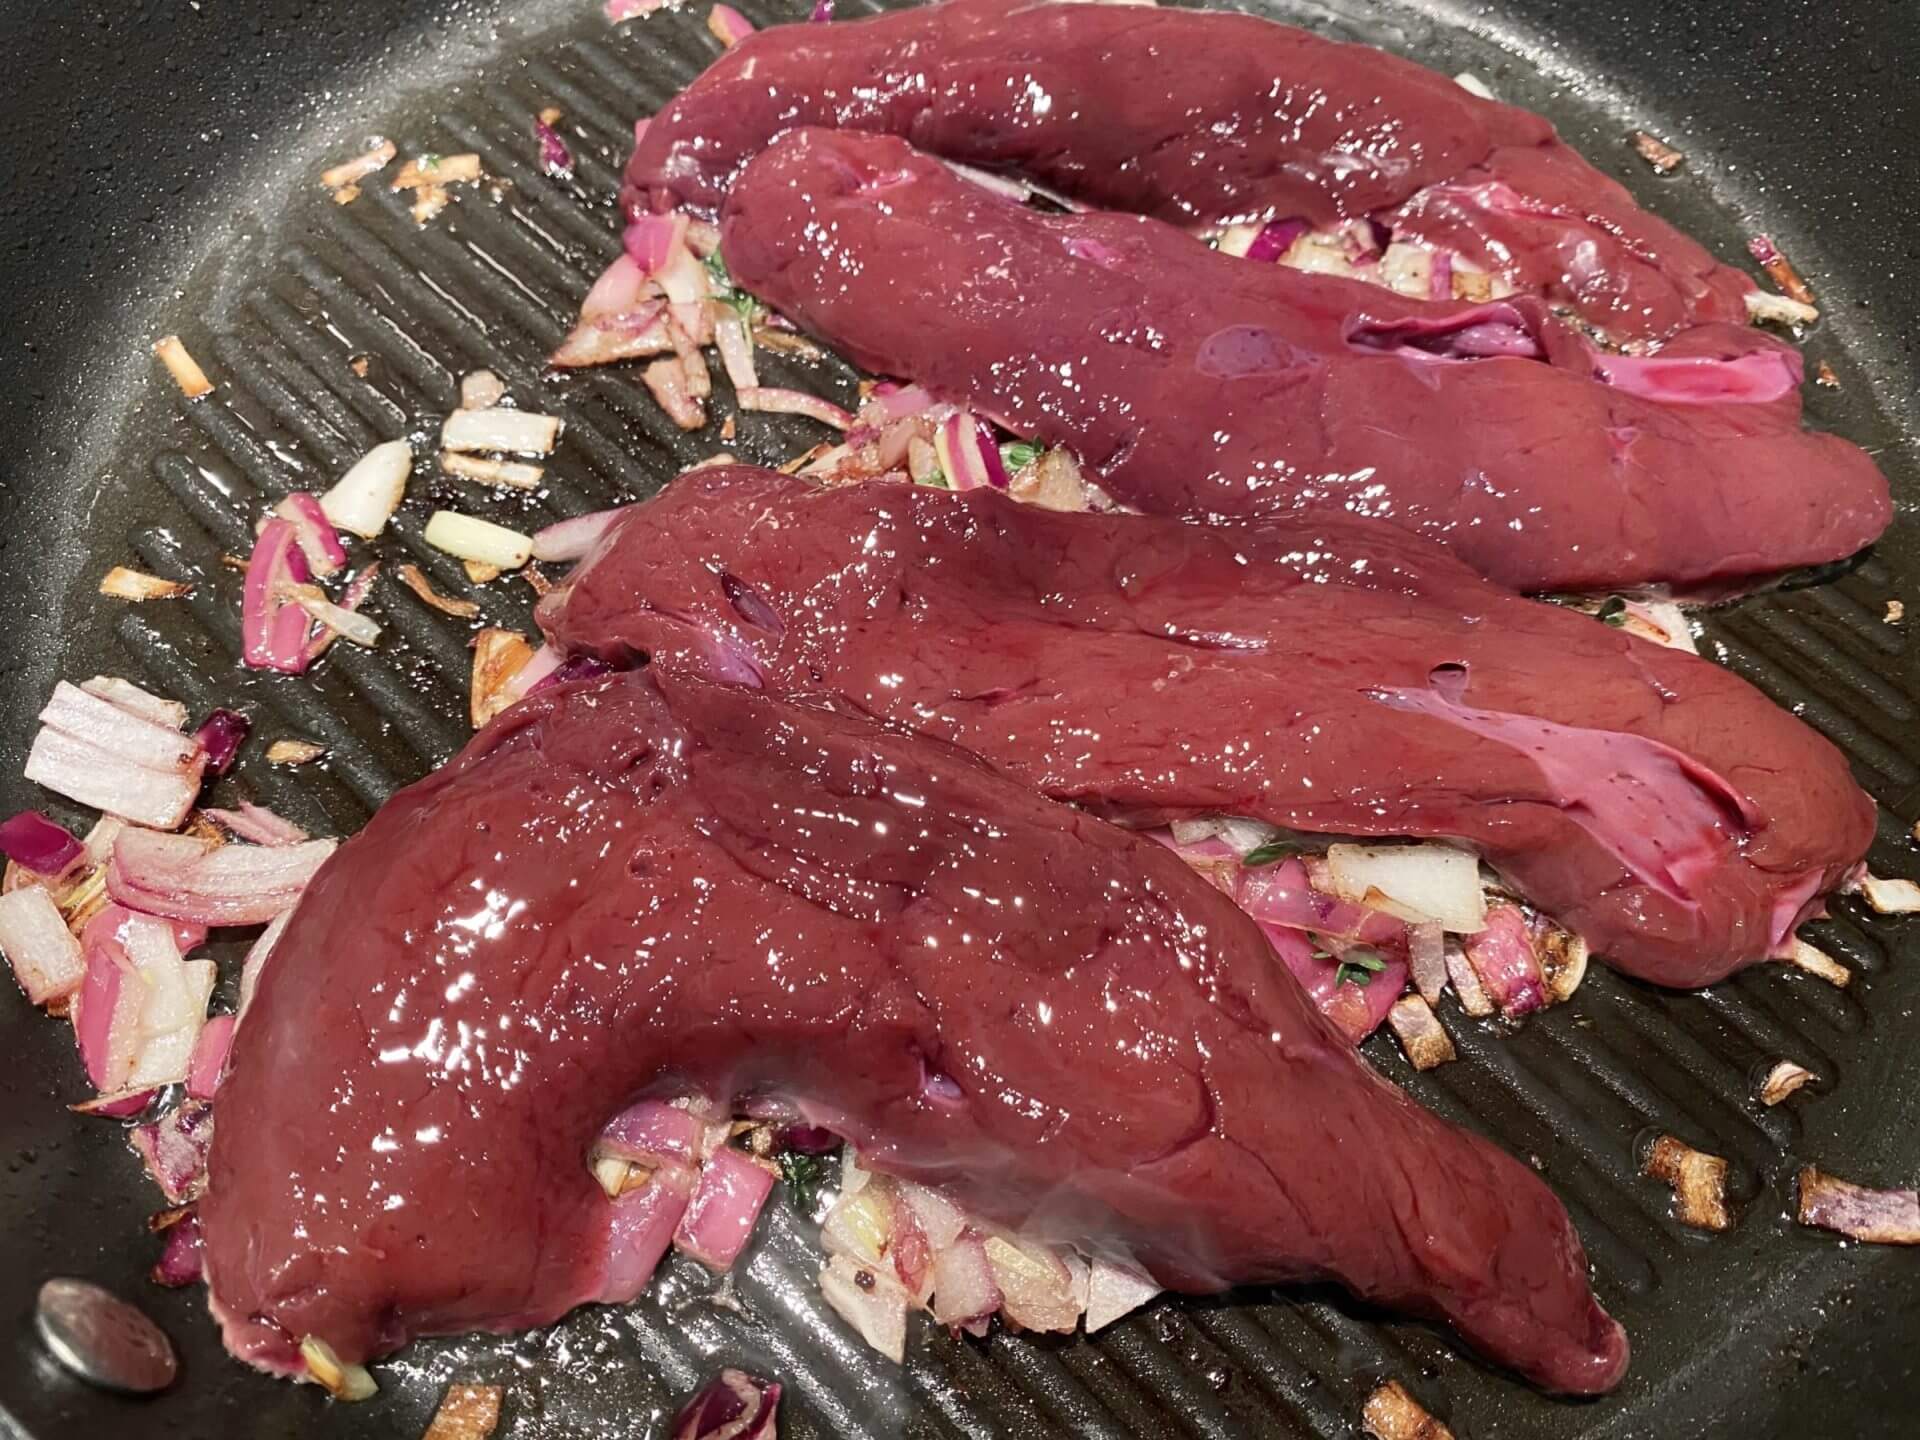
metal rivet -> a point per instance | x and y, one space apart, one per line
104 1339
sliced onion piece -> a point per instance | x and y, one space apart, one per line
1891 897
1699 1182
1036 1287
467 1412
255 823
338 1379
294 752
615 335
481 390
513 474
555 158
31 840
184 369
795 402
1420 1033
135 701
174 1150
106 1009
871 1301
1413 882
641 1229
1502 955
1816 961
1115 1290
314 531
667 381
861 1223
256 961
653 241
173 995
120 583
653 1133
513 431
939 1219
1881 1217
470 538
1783 1079
964 1293
182 1259
180 876
968 454
1466 984
733 1406
728 25
99 754
364 498
46 959
415 580
361 166
1392 1414
727 1201
209 1058
1427 959
572 539
276 630
499 656
221 735
736 351
339 620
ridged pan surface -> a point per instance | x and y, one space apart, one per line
165 164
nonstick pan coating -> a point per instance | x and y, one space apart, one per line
160 175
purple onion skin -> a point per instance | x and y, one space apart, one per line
580 667
221 735
822 12
182 1260
31 840
1276 237
555 158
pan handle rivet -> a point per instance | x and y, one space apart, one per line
104 1339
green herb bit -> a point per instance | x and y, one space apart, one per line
1613 611
1358 967
717 271
1016 455
1267 854
804 1174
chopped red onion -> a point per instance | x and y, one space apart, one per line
1882 1217
221 735
572 539
618 10
135 701
652 241
255 823
315 534
182 1258
795 402
652 1133
1440 275
667 382
100 754
1502 955
1276 238
210 1057
106 1009
180 876
1427 959
640 1229
275 629
123 1106
32 840
46 959
174 1150
968 454
822 12
734 1406
727 1201
555 158
736 351
728 25
256 960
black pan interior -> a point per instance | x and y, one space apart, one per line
160 164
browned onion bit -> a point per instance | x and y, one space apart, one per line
184 369
294 752
1824 377
1392 1414
1656 152
498 656
1699 1182
467 1412
1420 1033
1817 962
1881 1217
415 580
120 583
1780 269
1783 1080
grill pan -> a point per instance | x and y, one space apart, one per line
162 164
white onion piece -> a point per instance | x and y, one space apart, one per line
46 959
1036 1287
1764 308
1466 984
172 1015
1114 1290
188 879
481 390
516 431
364 498
860 1225
964 1293
135 701
514 474
257 959
940 1220
470 538
99 754
340 1380
1420 1033
736 351
852 1178
347 624
870 1300
1891 897
1782 1080
1243 835
1414 883
1427 959
1392 1414
794 402
667 381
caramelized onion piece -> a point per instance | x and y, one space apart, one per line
1881 1217
1783 1080
1419 1032
1699 1182
1392 1414
467 1412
